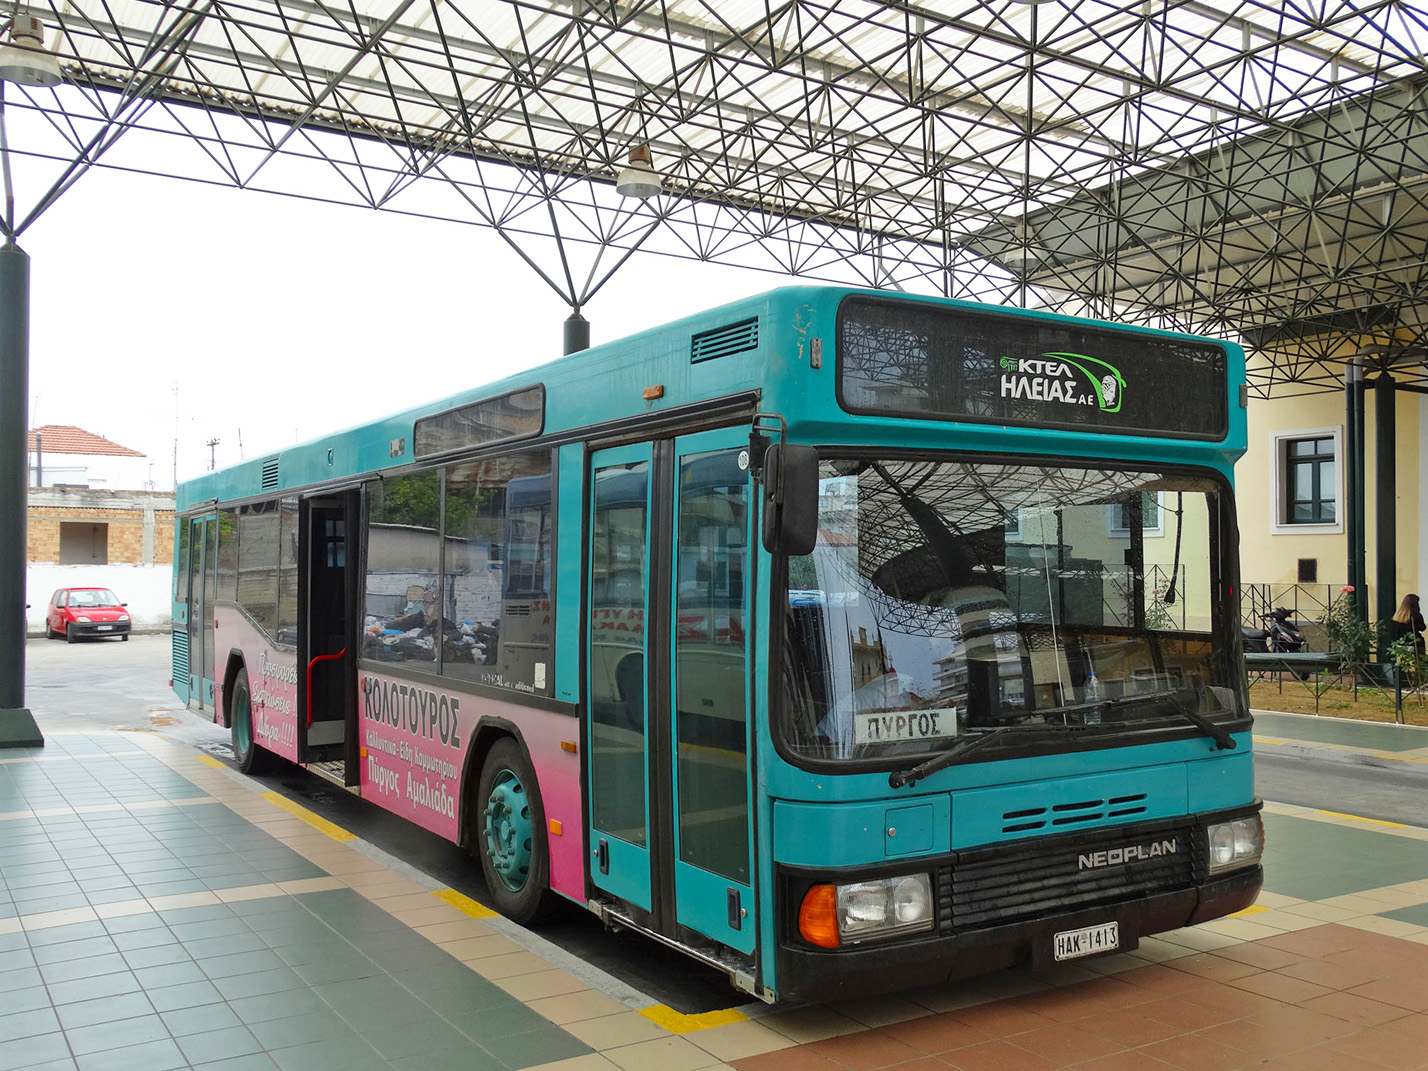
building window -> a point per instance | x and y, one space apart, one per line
1011 523
1152 523
1309 481
84 544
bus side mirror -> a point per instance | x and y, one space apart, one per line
790 499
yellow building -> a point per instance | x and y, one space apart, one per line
1294 490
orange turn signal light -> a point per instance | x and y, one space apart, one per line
818 917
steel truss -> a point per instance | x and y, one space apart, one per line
1234 168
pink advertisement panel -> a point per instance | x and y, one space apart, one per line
414 739
272 681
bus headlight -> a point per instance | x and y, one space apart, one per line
835 915
1235 844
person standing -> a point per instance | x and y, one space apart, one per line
1409 621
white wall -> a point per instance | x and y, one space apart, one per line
146 588
105 471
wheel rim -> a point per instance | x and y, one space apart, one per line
242 721
508 831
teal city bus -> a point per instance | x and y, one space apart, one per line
844 640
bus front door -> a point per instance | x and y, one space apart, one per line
327 727
709 689
668 684
618 667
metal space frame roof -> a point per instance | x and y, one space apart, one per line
1252 170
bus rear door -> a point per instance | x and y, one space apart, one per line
194 637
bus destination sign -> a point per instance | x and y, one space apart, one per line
948 363
897 726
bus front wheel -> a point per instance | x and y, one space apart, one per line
510 834
251 758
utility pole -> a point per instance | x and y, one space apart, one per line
212 459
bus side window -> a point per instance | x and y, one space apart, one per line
403 568
497 622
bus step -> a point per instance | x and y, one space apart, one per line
336 772
737 967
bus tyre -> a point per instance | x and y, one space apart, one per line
251 758
509 837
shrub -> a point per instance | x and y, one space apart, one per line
1349 634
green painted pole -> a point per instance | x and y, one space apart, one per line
1386 505
17 724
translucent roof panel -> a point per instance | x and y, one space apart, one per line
1206 164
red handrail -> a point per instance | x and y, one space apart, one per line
315 661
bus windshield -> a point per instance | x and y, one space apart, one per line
949 599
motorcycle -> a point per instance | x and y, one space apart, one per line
1279 634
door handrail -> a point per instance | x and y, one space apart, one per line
313 662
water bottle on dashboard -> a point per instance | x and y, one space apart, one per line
1092 695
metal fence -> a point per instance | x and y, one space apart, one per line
1307 605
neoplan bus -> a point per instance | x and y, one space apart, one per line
845 641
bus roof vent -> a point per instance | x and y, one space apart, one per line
722 341
270 472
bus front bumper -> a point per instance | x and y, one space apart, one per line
805 974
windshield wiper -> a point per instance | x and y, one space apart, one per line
1218 733
1181 705
955 754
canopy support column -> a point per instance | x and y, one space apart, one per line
17 724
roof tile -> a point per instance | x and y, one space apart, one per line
67 439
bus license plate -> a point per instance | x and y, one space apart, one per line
1071 944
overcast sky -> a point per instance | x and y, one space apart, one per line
164 310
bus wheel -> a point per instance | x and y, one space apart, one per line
511 834
250 757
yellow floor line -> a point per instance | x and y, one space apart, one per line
322 825
676 1023
1319 745
464 903
1370 821
209 760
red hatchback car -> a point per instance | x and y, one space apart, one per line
78 612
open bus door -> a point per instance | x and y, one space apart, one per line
327 640
669 686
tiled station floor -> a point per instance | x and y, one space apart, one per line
158 911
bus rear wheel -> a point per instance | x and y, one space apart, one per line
251 758
510 835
